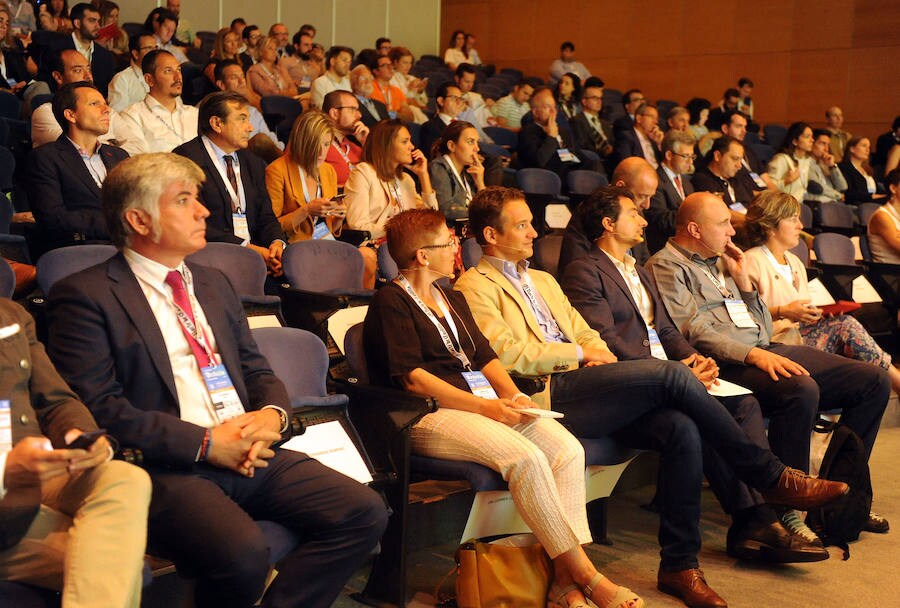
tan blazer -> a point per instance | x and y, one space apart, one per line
513 331
370 204
774 290
286 192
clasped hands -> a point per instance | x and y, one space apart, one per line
243 443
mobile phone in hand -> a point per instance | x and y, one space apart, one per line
86 440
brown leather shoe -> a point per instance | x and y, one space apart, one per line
690 587
797 490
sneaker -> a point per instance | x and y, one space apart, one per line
877 524
797 490
794 524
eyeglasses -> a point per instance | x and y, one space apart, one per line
454 242
456 97
690 156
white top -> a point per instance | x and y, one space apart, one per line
635 286
149 127
127 87
45 129
372 202
323 85
455 57
881 251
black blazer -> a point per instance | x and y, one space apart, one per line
576 244
261 221
583 133
106 343
64 197
663 207
103 63
704 180
430 133
628 144
368 118
597 290
857 191
537 149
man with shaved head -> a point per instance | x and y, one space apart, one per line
633 173
702 278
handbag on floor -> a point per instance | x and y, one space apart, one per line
491 575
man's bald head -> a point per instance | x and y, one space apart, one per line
639 176
696 208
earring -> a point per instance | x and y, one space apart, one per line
427 262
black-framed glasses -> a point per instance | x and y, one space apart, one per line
689 156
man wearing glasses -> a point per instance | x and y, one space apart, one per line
590 131
674 185
346 149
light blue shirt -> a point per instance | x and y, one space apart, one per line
259 126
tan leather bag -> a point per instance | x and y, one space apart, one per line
498 576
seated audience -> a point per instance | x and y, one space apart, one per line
456 170
267 76
543 463
350 134
448 104
568 95
280 34
861 184
702 278
773 228
66 175
636 175
718 176
456 51
699 111
53 16
225 48
86 20
567 64
238 24
617 298
592 132
753 176
184 34
264 143
22 20
67 66
73 519
362 82
678 119
885 142
509 110
383 46
129 86
163 23
789 168
250 37
536 333
477 110
544 144
234 191
213 466
674 185
300 65
18 67
337 63
379 188
824 171
884 225
729 103
834 120
111 36
412 88
161 121
745 102
393 98
302 185
643 139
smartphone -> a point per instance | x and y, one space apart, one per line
337 198
86 440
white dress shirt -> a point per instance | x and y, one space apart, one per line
323 85
147 126
127 87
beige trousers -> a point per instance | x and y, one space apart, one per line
88 539
540 460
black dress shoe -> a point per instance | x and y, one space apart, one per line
771 542
877 524
690 587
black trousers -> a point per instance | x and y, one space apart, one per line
203 520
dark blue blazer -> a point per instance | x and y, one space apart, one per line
261 221
107 345
597 290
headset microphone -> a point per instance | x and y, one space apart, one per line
513 249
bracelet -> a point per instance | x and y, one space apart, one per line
517 395
205 446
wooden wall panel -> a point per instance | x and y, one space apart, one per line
802 56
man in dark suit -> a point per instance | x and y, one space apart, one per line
674 185
449 103
177 374
235 191
363 84
632 99
66 175
643 139
99 561
544 144
590 131
86 24
730 100
618 299
724 161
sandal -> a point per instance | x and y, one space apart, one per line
556 597
624 597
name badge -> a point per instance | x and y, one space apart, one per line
757 180
5 427
566 156
656 347
225 400
479 385
392 114
241 230
739 207
321 232
740 316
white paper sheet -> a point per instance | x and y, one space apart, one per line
863 292
341 321
540 413
330 444
818 295
728 389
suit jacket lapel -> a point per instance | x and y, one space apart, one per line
127 290
485 268
609 269
75 164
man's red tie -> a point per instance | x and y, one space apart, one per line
179 294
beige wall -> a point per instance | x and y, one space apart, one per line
803 56
355 23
